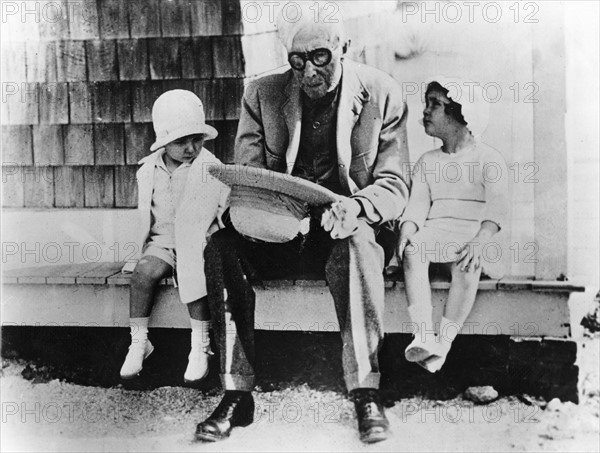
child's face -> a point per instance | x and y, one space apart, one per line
435 119
185 149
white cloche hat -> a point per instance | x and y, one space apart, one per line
177 114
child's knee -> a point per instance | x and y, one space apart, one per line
147 273
465 279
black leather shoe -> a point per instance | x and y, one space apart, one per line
235 409
373 426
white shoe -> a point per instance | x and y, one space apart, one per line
138 352
197 368
435 361
418 350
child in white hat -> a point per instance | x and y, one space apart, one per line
180 204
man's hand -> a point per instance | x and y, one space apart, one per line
341 218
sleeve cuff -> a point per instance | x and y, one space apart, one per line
368 211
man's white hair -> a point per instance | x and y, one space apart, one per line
297 16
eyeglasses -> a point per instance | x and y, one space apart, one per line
319 57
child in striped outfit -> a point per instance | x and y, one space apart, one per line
458 202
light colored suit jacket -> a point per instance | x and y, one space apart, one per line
197 216
372 148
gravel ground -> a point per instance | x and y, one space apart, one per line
60 416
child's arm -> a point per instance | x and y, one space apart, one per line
495 179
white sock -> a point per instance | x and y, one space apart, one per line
139 329
449 330
200 334
422 316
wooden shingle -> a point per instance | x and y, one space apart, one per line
80 102
232 92
17 145
232 17
213 145
48 145
196 58
41 61
71 61
68 187
4 111
133 59
138 139
113 19
109 144
144 18
209 93
227 131
102 60
12 186
12 63
83 20
143 97
126 189
164 58
54 103
99 187
21 103
38 187
180 84
175 18
228 59
79 144
111 102
55 25
207 18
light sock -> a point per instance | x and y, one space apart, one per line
139 329
449 330
421 315
200 334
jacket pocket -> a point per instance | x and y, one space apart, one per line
274 162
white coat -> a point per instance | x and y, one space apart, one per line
197 216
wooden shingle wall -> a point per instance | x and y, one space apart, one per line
79 80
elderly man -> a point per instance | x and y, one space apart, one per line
343 126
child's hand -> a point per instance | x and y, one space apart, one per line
469 256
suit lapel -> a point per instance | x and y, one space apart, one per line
292 112
352 98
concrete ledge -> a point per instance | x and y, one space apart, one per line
97 294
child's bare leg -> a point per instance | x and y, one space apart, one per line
461 297
149 271
416 279
199 309
200 352
418 292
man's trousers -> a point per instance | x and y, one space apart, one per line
354 273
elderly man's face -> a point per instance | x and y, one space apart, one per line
316 81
